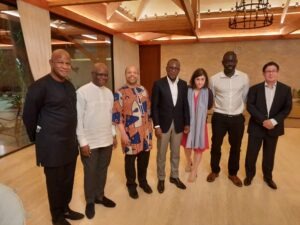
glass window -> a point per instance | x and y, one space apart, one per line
15 77
86 46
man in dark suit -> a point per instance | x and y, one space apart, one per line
170 114
268 103
50 118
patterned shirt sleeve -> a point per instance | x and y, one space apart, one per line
117 116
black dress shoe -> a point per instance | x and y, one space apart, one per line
271 183
161 186
146 188
177 182
90 210
106 202
61 221
133 193
72 215
247 181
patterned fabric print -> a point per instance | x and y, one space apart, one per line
132 108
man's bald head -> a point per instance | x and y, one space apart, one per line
59 53
131 75
99 74
60 63
99 65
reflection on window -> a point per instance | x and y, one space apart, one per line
15 77
85 46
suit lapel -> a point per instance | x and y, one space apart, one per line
263 99
276 96
178 91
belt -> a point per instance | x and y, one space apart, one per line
228 115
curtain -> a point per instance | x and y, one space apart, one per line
35 23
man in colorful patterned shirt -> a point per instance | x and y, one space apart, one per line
131 113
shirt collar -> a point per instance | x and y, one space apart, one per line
274 86
171 82
97 86
223 75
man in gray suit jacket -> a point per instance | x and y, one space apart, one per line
268 103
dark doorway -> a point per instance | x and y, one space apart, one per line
149 65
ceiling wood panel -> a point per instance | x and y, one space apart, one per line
113 17
56 3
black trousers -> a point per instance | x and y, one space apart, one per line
234 126
142 165
59 182
269 147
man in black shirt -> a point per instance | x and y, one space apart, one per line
50 118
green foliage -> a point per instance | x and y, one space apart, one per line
16 101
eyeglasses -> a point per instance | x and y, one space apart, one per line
173 68
271 71
100 74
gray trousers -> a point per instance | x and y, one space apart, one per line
95 173
162 145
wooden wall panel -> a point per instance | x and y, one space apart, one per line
149 65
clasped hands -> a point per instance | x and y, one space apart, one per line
268 124
158 131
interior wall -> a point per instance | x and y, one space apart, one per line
125 53
252 55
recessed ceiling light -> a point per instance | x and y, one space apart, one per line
11 13
90 36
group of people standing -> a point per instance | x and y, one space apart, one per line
59 119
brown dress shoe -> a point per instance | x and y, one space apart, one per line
235 180
212 176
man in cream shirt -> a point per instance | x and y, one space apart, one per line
230 88
96 136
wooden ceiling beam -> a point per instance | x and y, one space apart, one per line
283 15
290 27
189 12
39 3
81 19
157 26
178 3
149 36
56 3
111 9
194 4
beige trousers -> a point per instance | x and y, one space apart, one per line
162 145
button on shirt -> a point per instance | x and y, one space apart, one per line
230 93
174 89
94 108
270 93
